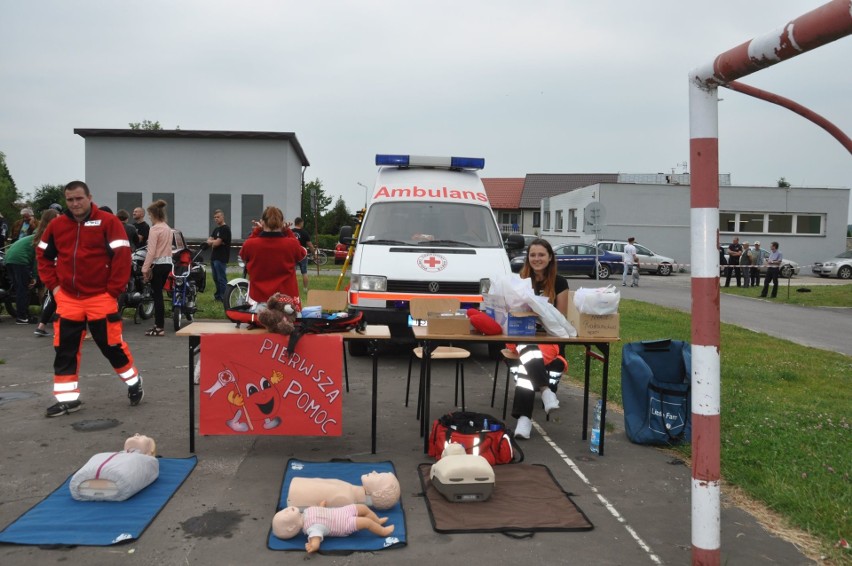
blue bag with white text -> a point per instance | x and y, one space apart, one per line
655 389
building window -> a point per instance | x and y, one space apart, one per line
547 220
558 220
252 208
572 220
537 219
171 213
128 201
739 223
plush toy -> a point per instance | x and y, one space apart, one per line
379 490
320 521
279 314
116 476
483 323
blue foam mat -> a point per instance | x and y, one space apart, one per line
61 520
351 472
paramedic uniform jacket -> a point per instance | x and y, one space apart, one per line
93 255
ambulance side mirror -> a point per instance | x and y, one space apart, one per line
345 235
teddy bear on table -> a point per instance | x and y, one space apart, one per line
280 314
320 521
116 476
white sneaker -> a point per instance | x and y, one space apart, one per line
551 403
524 428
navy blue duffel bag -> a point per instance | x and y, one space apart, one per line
655 391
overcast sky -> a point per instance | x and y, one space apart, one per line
532 86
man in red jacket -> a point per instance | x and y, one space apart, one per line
84 257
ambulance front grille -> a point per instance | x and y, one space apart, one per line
443 287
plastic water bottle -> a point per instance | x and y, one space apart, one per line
595 442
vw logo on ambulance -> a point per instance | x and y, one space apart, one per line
432 263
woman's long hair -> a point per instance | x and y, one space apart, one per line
46 218
547 286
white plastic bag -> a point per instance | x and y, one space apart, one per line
553 321
603 300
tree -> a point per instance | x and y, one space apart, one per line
307 210
782 182
145 125
46 195
337 217
9 194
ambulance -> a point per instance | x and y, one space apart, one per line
428 231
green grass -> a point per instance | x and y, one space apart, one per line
786 410
818 296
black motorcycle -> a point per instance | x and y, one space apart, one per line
137 295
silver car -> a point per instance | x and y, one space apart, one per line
649 261
839 266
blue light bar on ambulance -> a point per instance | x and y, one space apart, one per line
428 161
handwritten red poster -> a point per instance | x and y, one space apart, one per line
251 384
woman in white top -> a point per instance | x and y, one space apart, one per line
158 262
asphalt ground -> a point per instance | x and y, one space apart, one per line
637 497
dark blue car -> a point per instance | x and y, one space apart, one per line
579 259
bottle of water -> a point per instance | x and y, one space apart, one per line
595 443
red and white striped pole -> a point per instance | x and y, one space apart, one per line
809 31
706 334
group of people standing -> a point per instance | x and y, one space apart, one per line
744 264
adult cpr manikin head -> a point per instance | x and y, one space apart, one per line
142 444
383 489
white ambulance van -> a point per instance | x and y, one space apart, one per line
428 231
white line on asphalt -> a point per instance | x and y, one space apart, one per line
609 506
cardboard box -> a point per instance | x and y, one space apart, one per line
330 301
592 325
514 323
447 323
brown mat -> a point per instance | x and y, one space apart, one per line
526 499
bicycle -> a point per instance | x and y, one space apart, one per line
319 257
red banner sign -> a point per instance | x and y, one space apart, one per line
251 384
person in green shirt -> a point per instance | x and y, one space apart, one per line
22 267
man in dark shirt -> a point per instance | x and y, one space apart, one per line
141 226
220 241
304 239
132 233
735 250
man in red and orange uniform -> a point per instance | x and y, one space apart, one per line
84 257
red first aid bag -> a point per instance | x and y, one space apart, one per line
480 434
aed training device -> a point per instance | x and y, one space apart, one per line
461 477
428 232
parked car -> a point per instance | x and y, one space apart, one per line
838 266
649 261
516 252
578 259
340 251
788 267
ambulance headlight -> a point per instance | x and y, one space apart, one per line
368 283
484 286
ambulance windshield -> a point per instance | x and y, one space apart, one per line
430 223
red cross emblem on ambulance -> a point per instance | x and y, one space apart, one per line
432 263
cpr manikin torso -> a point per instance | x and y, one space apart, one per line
116 476
378 490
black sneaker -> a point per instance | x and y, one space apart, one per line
135 393
64 408
22 321
41 332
